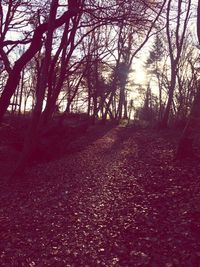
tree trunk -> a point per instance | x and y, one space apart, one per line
33 133
185 146
164 122
21 93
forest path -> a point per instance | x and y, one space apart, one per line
119 201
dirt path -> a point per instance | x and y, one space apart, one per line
120 201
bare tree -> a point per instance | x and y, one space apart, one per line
126 53
32 136
35 45
175 44
185 146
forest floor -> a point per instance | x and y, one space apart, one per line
117 199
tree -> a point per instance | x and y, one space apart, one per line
187 83
156 68
175 44
32 136
126 54
35 45
185 146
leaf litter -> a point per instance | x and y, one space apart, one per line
120 200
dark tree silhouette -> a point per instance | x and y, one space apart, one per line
185 146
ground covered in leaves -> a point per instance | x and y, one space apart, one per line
116 198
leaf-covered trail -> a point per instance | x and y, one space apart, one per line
120 201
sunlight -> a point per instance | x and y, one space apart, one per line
140 75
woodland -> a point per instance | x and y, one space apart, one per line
99 133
